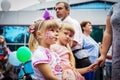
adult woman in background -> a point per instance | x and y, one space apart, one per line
90 45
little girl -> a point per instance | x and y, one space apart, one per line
3 58
46 64
66 35
3 53
3 48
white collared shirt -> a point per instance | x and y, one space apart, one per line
78 31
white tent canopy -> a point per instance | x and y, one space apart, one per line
15 5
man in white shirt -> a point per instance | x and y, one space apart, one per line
63 12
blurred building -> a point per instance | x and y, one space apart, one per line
14 22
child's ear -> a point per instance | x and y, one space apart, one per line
38 34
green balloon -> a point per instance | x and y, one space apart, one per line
23 54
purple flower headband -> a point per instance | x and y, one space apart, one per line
46 16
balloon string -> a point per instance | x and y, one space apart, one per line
24 69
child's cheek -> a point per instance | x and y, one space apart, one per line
49 34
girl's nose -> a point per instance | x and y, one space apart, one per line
56 33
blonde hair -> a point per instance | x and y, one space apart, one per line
42 26
68 26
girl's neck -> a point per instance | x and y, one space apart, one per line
58 42
44 45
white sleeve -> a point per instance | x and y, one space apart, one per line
39 57
78 32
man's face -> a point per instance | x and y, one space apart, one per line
61 12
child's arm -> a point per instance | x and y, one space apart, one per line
87 69
47 71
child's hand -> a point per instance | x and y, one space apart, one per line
92 67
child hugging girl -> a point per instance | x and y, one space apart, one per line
46 63
66 34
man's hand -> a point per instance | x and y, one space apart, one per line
100 61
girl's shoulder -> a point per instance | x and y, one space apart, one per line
40 52
39 49
57 47
41 55
54 47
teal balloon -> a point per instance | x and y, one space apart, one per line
23 54
13 60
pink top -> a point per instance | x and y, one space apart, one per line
63 52
69 72
43 55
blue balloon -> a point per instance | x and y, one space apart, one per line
13 60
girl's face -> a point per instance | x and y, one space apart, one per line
50 36
65 36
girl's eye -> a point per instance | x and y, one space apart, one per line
65 33
51 30
57 30
71 36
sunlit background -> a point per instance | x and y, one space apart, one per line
17 15
16 5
